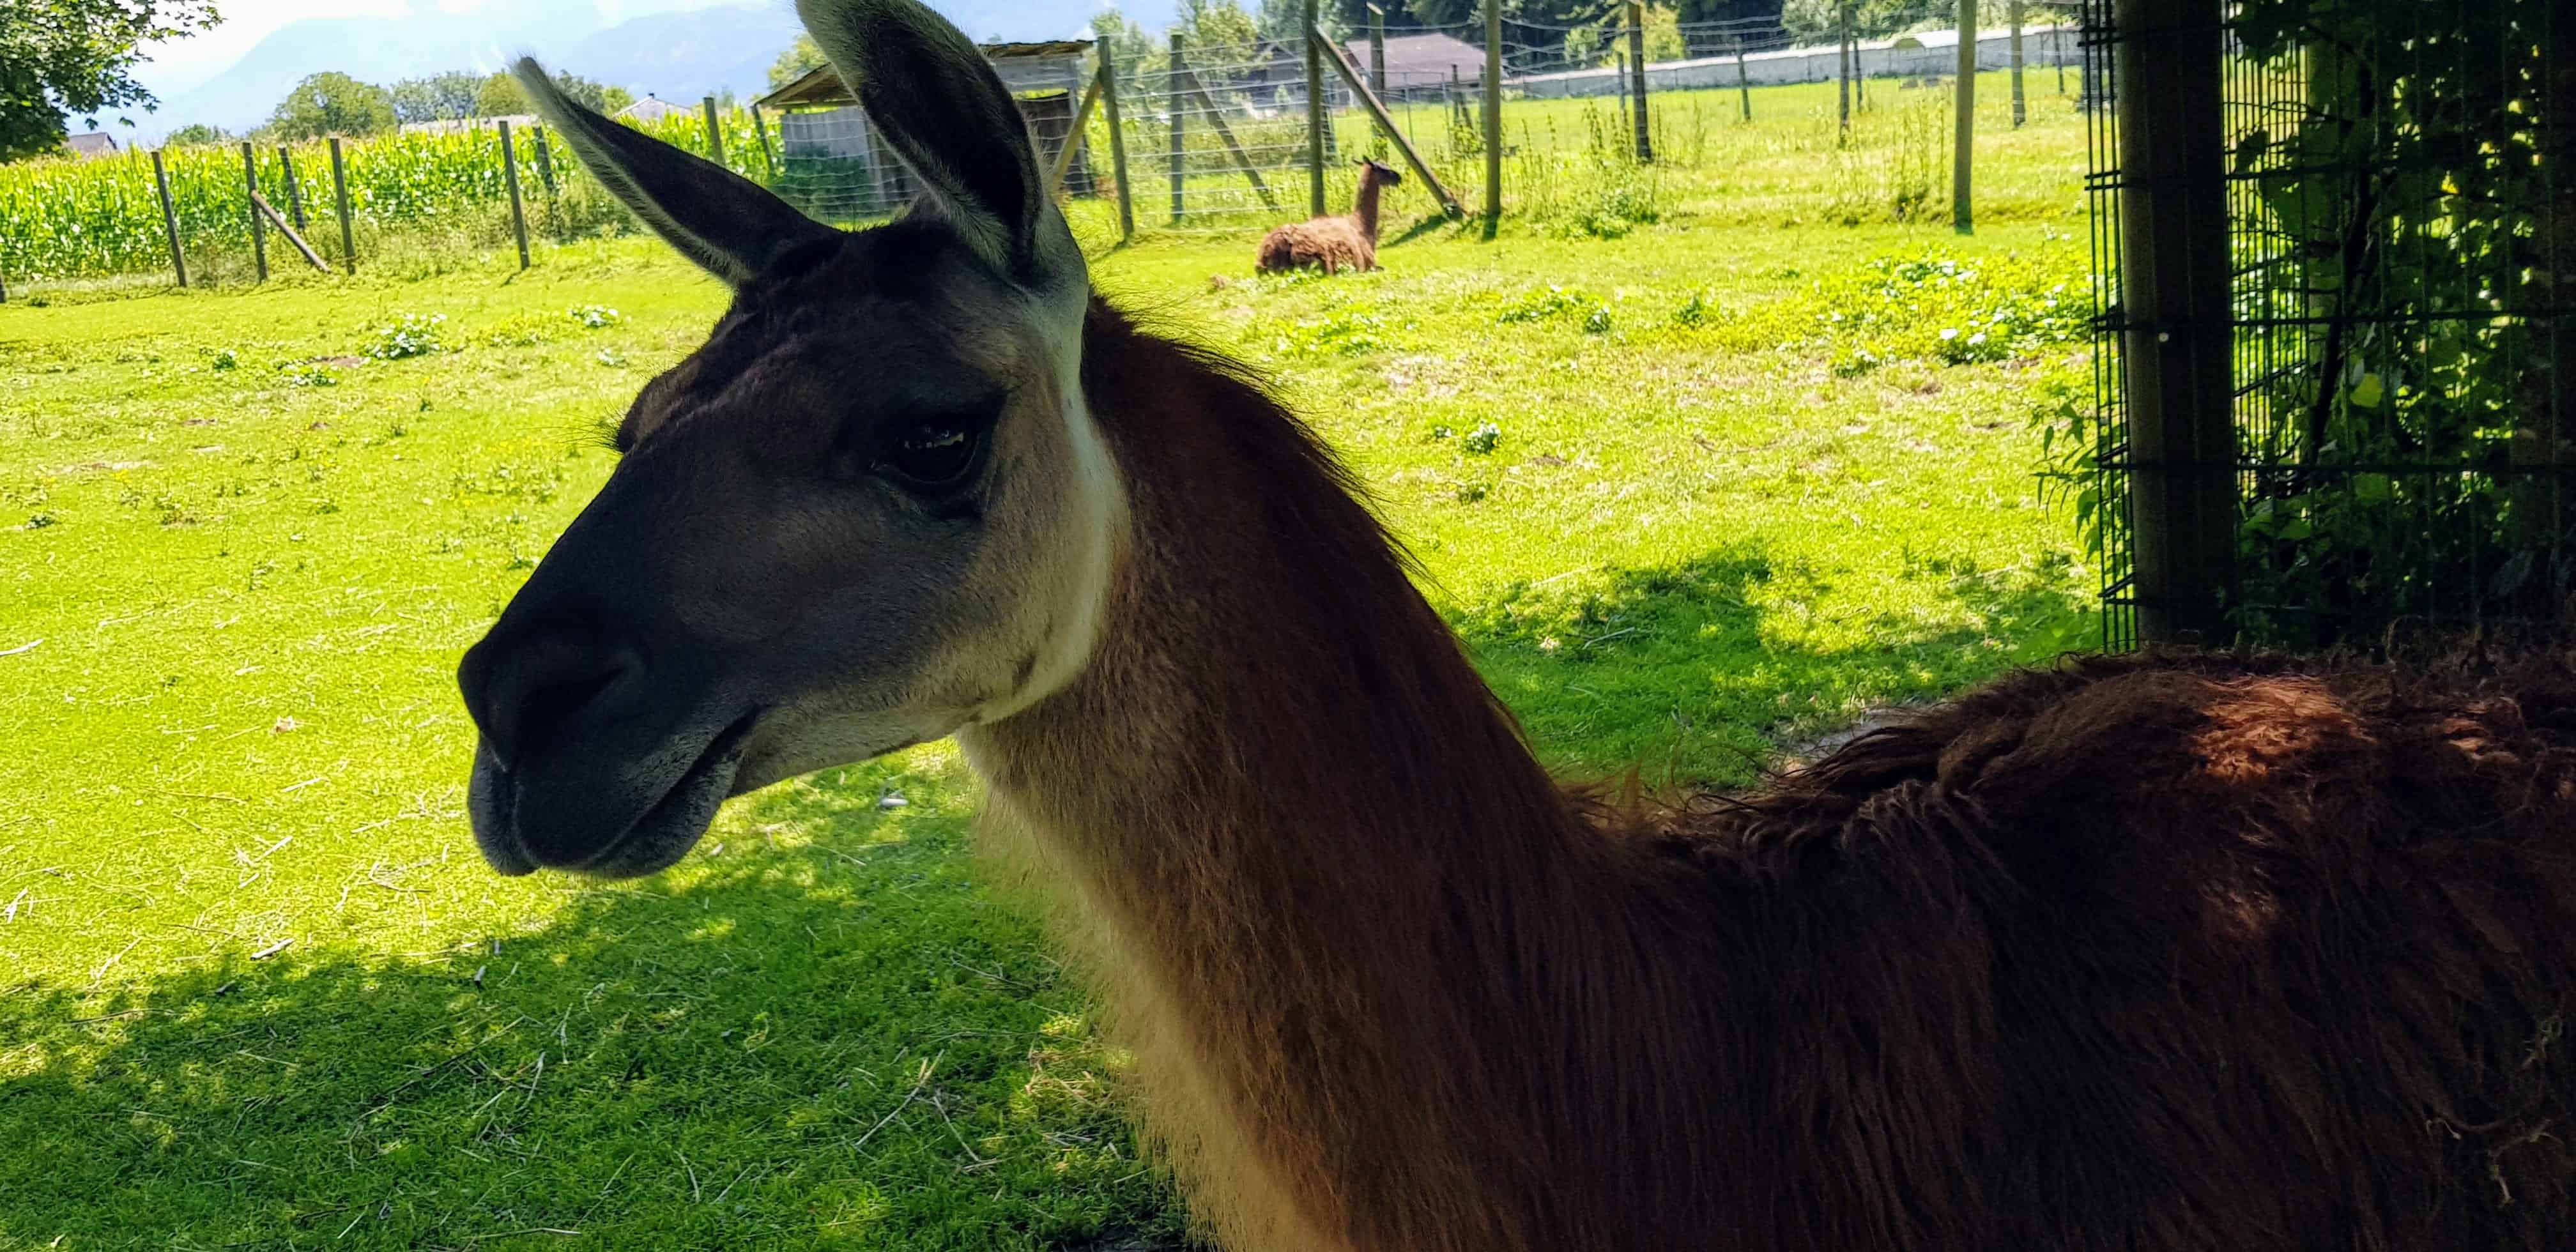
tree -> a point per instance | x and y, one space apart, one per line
1353 15
802 58
197 133
77 56
1126 40
500 95
1219 24
437 98
332 103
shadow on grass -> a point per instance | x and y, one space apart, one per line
1429 225
822 1036
1694 673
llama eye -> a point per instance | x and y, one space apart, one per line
935 455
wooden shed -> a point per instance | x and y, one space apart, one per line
825 140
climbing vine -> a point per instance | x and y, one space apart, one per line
2405 257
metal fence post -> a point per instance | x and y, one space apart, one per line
715 133
510 179
1315 116
1117 141
1637 67
1172 108
2021 105
169 216
250 205
1963 211
1845 53
1493 113
1743 83
340 192
2178 339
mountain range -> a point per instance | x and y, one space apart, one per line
679 54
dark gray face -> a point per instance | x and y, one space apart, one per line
869 510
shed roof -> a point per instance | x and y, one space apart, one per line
651 108
1422 57
822 88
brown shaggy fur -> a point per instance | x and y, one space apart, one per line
2130 954
1332 243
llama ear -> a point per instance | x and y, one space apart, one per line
726 223
934 97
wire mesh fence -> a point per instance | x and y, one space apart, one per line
2402 380
1214 139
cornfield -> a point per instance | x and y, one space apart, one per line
68 218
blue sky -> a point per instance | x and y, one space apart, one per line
181 64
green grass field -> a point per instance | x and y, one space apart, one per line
1689 493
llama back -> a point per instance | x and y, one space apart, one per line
2156 927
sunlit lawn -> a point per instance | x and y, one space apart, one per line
256 989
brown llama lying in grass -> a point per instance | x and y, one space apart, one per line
1333 244
2143 954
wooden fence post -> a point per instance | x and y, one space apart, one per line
1315 115
1493 113
287 230
1963 211
1386 123
768 160
1743 83
2021 106
1172 107
510 179
2177 342
1619 78
1637 67
250 206
169 216
1457 107
1074 137
715 133
1117 141
546 160
1377 51
294 188
1189 80
340 192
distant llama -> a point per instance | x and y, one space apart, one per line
2139 954
1332 243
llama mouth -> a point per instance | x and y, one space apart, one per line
654 841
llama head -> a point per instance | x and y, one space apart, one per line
1372 171
871 509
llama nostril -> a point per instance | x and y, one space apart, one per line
544 712
530 700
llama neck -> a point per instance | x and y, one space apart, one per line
1365 211
1320 860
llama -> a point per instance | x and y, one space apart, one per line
1332 244
2156 953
